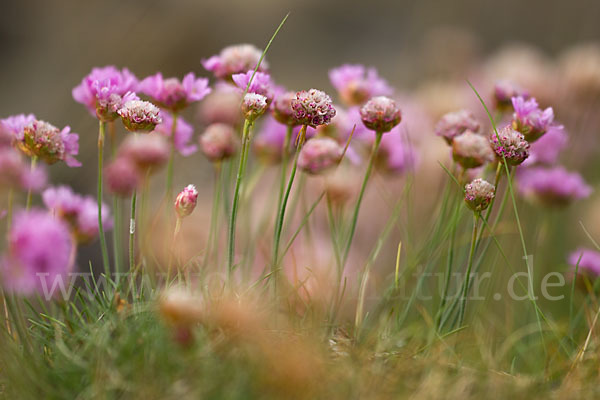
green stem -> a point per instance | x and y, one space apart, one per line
236 196
132 233
463 303
105 262
33 164
116 235
374 150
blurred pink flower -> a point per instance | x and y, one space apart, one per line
122 176
587 260
261 83
183 133
145 151
16 174
44 140
234 60
552 186
219 142
319 154
186 201
313 108
356 84
546 149
172 94
529 119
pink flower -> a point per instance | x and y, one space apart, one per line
50 144
183 133
471 150
313 108
16 174
380 114
172 94
356 84
587 260
140 116
145 151
396 155
261 83
222 105
479 194
529 119
504 91
186 201
122 176
510 145
254 105
552 186
270 139
40 251
15 124
456 123
219 142
234 60
546 149
102 89
319 154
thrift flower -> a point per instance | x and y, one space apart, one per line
253 106
380 114
504 91
40 251
456 123
471 150
222 105
183 133
587 260
512 145
15 124
145 151
395 155
552 186
50 144
269 141
140 116
546 149
186 201
172 94
313 108
282 108
319 154
234 60
529 119
479 194
122 176
261 83
219 142
356 84
16 174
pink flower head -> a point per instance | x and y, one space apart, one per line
552 186
479 194
140 116
183 133
254 105
15 124
356 84
456 123
319 154
546 149
172 94
122 176
282 108
16 174
396 155
313 108
145 151
529 119
219 142
222 105
261 83
510 145
40 251
380 114
102 90
587 260
50 144
234 60
80 212
504 91
186 201
471 150
270 140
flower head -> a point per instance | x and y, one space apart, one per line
50 144
254 105
103 89
319 154
140 116
396 155
186 201
479 194
380 114
282 108
145 151
16 174
122 176
40 251
313 108
15 124
261 83
183 133
456 123
222 105
587 262
504 91
234 60
510 145
546 149
529 119
218 142
552 186
471 150
356 84
270 140
173 94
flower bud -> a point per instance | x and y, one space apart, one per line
456 123
313 108
504 91
529 119
380 114
218 142
512 145
471 150
479 194
282 108
186 201
253 106
319 154
140 116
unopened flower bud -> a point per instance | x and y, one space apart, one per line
456 123
218 142
479 194
253 106
319 154
512 145
471 150
282 108
380 114
312 108
186 201
140 116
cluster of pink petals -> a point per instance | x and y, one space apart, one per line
546 149
140 116
587 261
552 186
270 140
529 119
456 123
40 252
183 133
260 84
172 94
504 91
319 154
510 145
145 151
104 84
282 108
380 114
122 176
479 194
356 84
186 200
16 174
234 60
313 108
15 124
44 140
219 142
80 212
396 155
222 105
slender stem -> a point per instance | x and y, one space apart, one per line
236 196
374 151
463 302
116 234
33 164
214 216
132 233
450 260
174 242
284 201
171 159
105 262
284 161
